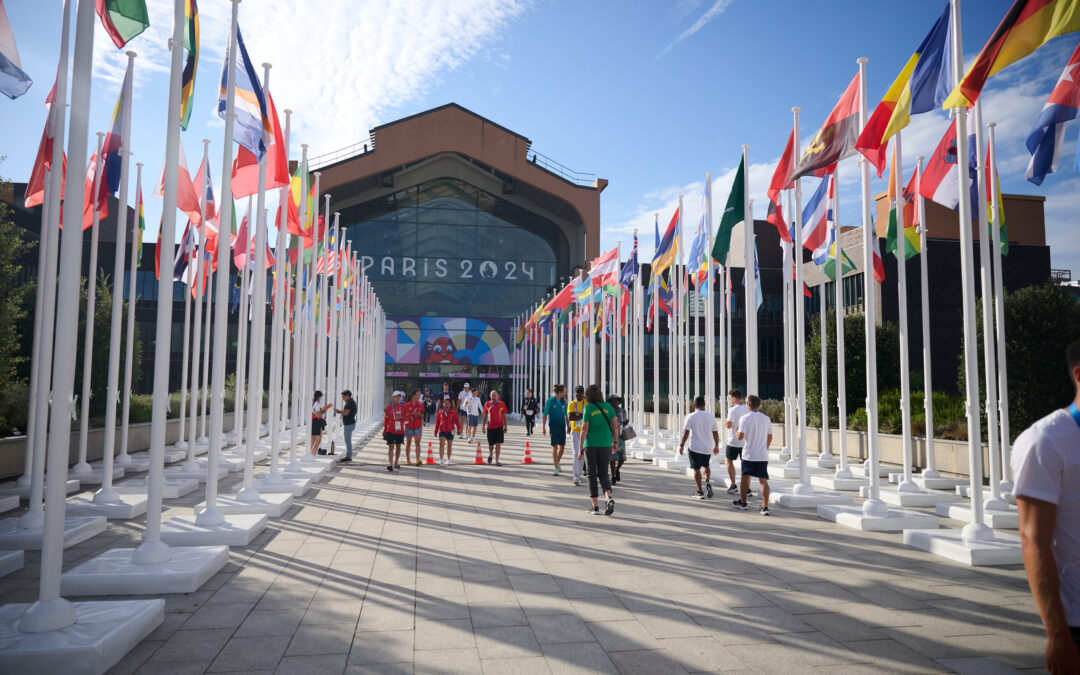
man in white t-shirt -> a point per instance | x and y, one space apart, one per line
734 446
755 430
700 427
1046 469
472 414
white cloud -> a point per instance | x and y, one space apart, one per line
341 65
714 11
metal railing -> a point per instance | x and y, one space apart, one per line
560 170
348 152
1061 275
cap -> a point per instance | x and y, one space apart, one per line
466 385
397 393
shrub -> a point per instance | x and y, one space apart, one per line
857 420
14 405
773 409
142 408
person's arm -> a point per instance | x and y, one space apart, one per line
584 433
715 442
740 435
682 441
768 441
1037 519
614 434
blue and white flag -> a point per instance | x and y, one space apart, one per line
13 81
1048 133
630 269
252 120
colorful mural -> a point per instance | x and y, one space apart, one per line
448 341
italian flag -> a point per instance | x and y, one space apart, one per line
123 19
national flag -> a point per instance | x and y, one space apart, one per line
142 225
664 255
1028 25
879 264
241 241
781 180
13 80
191 45
562 299
187 200
203 185
100 203
905 204
836 139
123 19
252 120
697 257
999 217
604 270
35 187
921 87
114 139
630 269
734 213
846 265
1048 133
815 229
183 270
245 175
941 180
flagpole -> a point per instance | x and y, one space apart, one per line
999 308
976 530
990 346
281 257
750 286
725 321
842 471
309 349
296 343
906 485
180 443
107 494
791 295
196 355
930 470
823 332
709 363
241 330
803 487
124 459
211 515
204 378
82 468
679 345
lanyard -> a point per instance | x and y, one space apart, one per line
1075 413
394 411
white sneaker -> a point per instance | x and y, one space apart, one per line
446 463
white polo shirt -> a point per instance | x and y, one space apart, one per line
734 415
756 427
1046 466
701 424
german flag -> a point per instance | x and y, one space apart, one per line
836 139
1029 25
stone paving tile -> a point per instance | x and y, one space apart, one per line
478 569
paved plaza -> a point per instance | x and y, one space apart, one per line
482 569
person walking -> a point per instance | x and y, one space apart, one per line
734 447
348 421
495 425
429 405
619 458
394 430
1046 467
463 399
472 414
446 421
530 407
755 429
700 428
414 425
575 411
555 410
318 421
598 430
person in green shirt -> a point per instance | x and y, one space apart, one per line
555 410
599 429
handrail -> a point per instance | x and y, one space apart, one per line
348 152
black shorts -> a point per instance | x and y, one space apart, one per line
448 435
393 439
317 426
755 469
699 460
732 453
495 435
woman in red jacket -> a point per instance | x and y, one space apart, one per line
446 421
394 430
414 425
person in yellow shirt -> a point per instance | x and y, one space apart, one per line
575 412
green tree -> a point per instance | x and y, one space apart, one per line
1040 322
888 364
99 374
16 302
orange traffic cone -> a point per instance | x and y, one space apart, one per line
430 458
528 455
479 455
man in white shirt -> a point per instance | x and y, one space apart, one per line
1046 468
755 430
734 446
472 414
463 397
700 427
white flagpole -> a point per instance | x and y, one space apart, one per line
750 296
803 487
308 376
725 340
654 281
823 331
710 304
990 346
82 468
124 459
930 470
296 341
785 247
242 319
257 353
999 310
108 494
976 530
277 389
204 378
906 485
211 515
678 402
196 354
842 470
181 444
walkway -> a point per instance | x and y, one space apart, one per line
500 570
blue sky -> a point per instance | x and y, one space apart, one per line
650 95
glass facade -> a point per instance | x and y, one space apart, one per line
447 248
